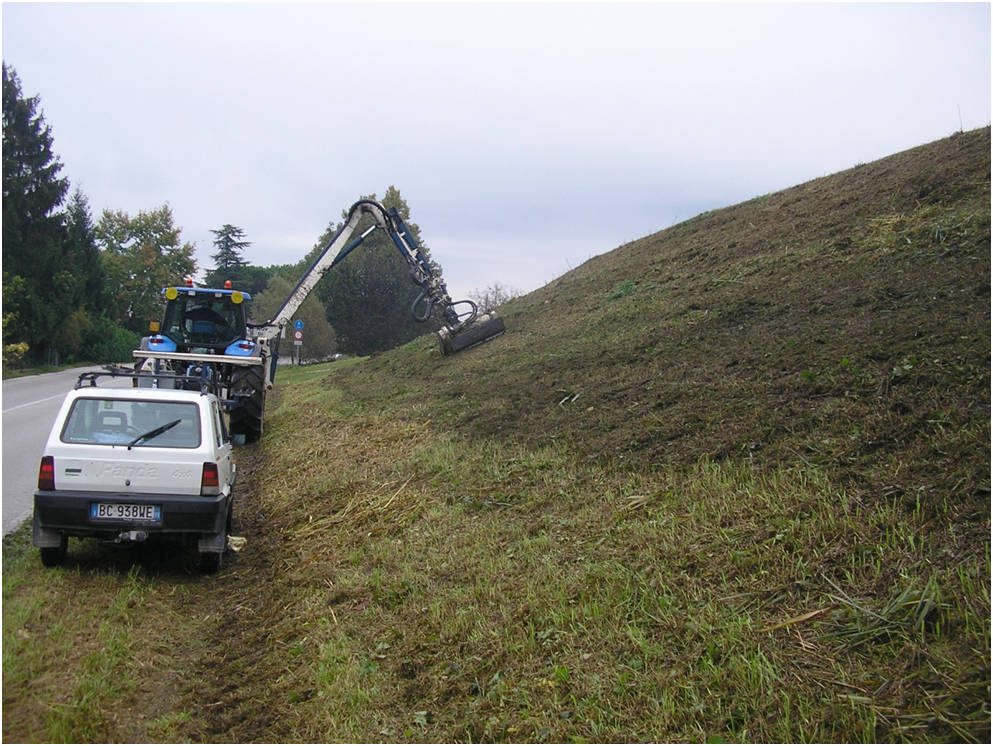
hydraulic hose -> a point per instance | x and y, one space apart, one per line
428 307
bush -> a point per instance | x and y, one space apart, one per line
106 342
13 354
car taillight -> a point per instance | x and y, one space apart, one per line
210 479
46 473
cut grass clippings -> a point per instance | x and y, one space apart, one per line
442 593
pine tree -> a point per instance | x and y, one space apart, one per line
33 230
229 262
83 254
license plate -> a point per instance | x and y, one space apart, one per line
125 512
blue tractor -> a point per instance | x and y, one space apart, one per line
205 334
205 331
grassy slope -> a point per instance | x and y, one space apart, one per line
729 481
835 323
768 410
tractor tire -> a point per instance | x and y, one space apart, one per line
248 386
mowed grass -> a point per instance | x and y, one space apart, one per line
433 589
729 482
449 590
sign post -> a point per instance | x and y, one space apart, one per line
298 339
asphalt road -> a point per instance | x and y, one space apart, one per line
30 405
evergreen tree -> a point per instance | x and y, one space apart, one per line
79 284
84 254
229 242
230 263
35 279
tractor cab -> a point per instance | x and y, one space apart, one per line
209 319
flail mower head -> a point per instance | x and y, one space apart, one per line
461 330
483 328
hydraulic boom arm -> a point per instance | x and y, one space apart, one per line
454 336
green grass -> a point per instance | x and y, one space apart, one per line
72 664
295 373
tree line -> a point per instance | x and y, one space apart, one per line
77 289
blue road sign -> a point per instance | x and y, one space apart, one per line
298 324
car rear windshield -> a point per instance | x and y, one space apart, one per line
161 424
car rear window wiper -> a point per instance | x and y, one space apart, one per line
153 433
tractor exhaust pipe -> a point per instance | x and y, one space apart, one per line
482 329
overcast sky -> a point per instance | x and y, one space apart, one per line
525 137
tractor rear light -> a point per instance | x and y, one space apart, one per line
227 284
189 282
46 473
210 480
246 345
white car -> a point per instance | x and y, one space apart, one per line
125 463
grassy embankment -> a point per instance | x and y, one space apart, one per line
727 482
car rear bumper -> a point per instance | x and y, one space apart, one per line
68 512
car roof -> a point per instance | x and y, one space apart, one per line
147 394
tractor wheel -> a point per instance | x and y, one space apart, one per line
248 387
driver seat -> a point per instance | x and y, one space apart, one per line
113 422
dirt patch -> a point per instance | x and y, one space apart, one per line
216 670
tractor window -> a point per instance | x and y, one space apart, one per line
204 320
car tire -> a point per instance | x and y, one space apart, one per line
211 562
55 556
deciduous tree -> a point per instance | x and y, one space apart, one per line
141 255
492 296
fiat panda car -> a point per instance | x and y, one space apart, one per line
124 464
